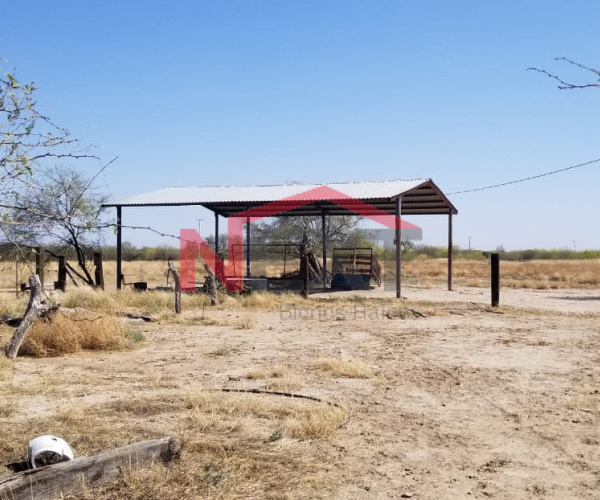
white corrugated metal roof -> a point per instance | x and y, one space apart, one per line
199 195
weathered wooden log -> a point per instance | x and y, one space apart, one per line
35 309
68 478
177 281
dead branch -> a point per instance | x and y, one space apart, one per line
564 85
35 309
68 478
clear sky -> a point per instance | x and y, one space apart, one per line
269 91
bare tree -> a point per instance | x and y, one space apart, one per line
63 207
564 85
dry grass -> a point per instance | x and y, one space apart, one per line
222 350
337 367
303 419
587 402
245 323
275 371
534 274
67 334
277 378
234 445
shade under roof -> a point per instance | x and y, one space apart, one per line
419 196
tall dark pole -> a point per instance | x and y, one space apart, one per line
495 262
450 251
216 233
324 242
248 273
398 248
119 272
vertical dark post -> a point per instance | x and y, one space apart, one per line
304 272
324 242
450 251
40 258
98 272
62 273
216 233
17 284
248 273
398 248
172 270
119 271
495 279
284 256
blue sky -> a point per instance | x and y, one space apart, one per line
260 92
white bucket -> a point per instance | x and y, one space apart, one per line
51 449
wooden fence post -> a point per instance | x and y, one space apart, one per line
98 273
175 274
495 263
62 273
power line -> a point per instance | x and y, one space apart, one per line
527 178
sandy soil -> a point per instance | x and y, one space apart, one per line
465 403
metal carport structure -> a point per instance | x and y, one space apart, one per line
400 197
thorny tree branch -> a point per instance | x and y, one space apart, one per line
564 85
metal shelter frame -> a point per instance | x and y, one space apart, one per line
406 197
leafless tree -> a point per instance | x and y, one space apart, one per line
61 206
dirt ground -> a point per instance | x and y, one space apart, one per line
465 402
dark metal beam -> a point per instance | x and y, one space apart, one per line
216 233
119 235
248 273
324 242
450 251
398 249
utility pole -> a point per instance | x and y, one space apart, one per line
469 243
200 226
574 246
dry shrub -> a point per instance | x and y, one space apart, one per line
337 367
245 323
275 371
222 350
279 378
320 423
66 334
288 383
8 407
94 300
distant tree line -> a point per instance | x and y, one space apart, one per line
410 252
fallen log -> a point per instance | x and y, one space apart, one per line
35 309
68 478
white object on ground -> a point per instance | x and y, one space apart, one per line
48 450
